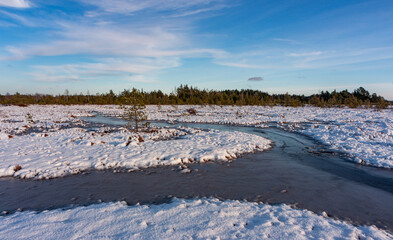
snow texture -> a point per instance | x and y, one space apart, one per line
72 150
62 146
365 135
181 219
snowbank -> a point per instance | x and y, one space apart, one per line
14 119
69 151
365 134
182 219
367 142
57 151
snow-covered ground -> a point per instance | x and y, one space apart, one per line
365 134
60 145
182 219
68 151
14 120
58 152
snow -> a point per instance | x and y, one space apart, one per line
181 219
13 119
61 145
366 142
72 150
365 135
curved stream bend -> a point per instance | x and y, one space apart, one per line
287 173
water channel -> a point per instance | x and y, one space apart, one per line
297 170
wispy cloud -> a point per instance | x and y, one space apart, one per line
100 38
132 6
138 37
322 59
16 53
134 40
112 41
117 50
15 3
7 24
344 58
46 77
122 68
242 65
104 41
200 10
286 40
17 18
306 54
141 79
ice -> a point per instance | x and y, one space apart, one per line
72 150
62 146
365 135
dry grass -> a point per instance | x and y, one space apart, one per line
17 168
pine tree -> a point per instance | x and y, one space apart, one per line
133 106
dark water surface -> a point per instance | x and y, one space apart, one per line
288 173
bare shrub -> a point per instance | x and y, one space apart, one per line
191 111
17 168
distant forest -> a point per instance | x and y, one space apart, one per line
192 95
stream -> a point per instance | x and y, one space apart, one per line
297 170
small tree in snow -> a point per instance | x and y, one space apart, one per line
133 106
29 118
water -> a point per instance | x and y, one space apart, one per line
288 173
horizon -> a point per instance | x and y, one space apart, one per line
300 47
88 93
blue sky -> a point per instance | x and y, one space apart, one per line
299 46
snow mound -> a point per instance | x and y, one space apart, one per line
182 219
70 151
364 134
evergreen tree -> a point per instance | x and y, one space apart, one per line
133 106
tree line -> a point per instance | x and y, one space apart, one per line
191 95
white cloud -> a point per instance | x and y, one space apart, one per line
17 18
120 68
329 59
335 59
119 50
132 6
286 40
242 65
135 44
141 79
112 41
306 54
200 10
15 3
45 77
106 41
16 53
